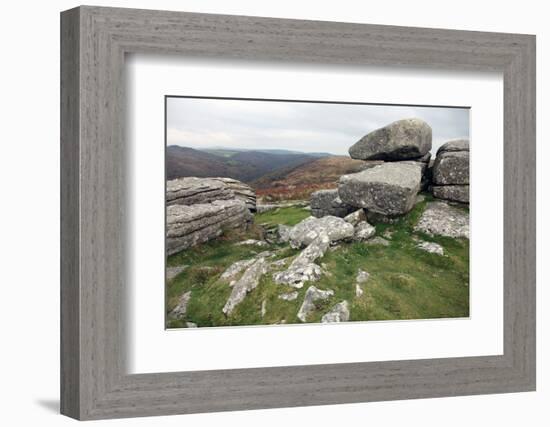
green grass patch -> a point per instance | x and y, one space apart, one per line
405 282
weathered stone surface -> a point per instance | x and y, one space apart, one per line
266 207
192 191
190 225
312 294
388 189
441 219
456 145
431 247
248 281
456 193
400 140
356 217
452 167
180 309
305 232
290 296
363 231
338 313
303 268
241 190
235 269
172 272
425 158
362 276
284 232
327 202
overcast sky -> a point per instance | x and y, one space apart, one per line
308 127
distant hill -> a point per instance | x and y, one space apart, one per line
298 182
244 165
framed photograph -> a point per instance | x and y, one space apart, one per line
262 213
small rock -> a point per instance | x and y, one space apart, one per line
338 313
362 276
358 290
419 199
431 247
284 233
172 272
190 324
388 234
264 308
248 281
235 269
377 241
180 309
363 231
356 217
290 296
252 242
303 269
312 294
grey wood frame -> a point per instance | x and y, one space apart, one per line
94 41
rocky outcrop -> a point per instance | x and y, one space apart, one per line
303 268
189 225
192 191
400 140
305 232
308 306
356 217
338 313
441 219
388 189
451 172
327 202
241 190
248 281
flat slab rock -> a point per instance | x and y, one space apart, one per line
431 247
400 140
305 232
441 219
387 189
188 226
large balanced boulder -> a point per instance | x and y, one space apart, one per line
191 191
389 189
327 202
305 232
400 140
189 225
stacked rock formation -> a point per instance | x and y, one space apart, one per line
389 188
200 209
451 172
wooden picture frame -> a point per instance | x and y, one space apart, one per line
94 382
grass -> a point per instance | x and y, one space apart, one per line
287 216
405 282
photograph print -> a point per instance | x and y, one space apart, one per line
298 212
